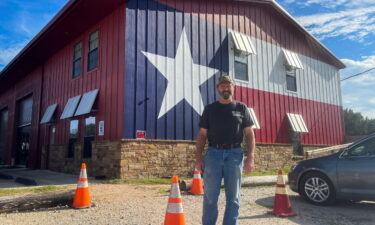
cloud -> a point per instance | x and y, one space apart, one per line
372 100
330 4
7 54
358 92
352 24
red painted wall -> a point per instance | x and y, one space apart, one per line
323 120
108 78
52 83
30 84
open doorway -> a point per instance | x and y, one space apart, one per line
23 131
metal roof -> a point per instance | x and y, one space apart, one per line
242 43
70 107
297 123
292 59
87 102
48 114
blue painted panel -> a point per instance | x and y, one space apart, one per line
153 32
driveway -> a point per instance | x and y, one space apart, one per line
23 177
144 205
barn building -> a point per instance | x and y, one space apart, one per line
121 85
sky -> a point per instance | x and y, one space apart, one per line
345 27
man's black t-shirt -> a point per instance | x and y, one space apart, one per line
225 122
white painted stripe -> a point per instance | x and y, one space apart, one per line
197 176
175 208
175 191
83 184
83 174
317 81
281 191
280 179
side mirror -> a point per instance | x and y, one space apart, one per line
345 153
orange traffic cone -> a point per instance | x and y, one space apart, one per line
174 214
282 206
197 186
82 196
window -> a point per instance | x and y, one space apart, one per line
77 59
240 66
73 136
92 59
364 149
89 136
291 80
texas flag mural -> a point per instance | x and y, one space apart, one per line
176 50
173 60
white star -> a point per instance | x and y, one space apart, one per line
183 75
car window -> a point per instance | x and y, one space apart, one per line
366 148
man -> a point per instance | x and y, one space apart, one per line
224 123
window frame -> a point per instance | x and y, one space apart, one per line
78 59
289 72
72 140
88 138
240 58
91 51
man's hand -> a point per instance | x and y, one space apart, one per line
249 165
199 164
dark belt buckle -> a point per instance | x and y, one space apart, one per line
225 146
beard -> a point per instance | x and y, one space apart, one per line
226 94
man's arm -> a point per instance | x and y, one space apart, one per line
250 144
201 142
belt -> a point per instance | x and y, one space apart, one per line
225 146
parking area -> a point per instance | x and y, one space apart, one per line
143 205
11 177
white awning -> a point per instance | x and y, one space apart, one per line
297 123
87 102
70 107
254 118
292 59
242 43
48 114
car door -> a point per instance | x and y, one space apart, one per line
356 170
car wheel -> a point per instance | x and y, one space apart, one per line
317 188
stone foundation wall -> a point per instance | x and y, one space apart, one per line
129 158
105 160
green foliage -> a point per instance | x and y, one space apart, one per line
270 172
140 181
357 125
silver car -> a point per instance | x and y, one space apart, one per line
348 174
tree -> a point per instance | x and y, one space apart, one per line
356 124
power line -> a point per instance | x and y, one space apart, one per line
357 74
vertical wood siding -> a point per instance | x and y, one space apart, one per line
29 85
156 27
107 77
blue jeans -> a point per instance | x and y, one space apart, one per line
218 164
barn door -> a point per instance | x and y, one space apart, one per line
23 130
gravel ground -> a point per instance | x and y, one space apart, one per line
144 205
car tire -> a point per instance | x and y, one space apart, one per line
317 188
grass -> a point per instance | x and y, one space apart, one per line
269 172
30 190
140 181
157 181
